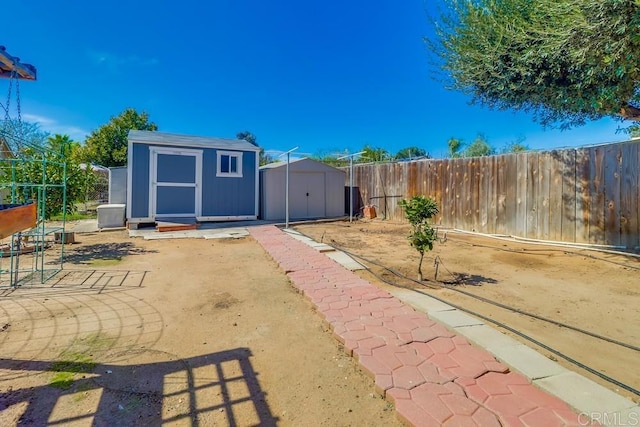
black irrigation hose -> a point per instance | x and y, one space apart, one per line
515 331
500 324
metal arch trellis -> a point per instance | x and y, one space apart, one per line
28 176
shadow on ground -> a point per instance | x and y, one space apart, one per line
216 388
470 279
102 252
68 281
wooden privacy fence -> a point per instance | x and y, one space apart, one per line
585 195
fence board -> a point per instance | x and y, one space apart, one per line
629 196
474 193
438 189
412 179
521 195
501 194
450 217
555 195
532 196
596 189
465 198
544 177
583 198
568 196
612 194
458 183
486 194
511 192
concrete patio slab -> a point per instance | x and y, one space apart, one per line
419 301
591 399
455 318
526 361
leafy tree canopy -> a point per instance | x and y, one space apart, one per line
411 153
247 136
374 154
479 147
20 135
455 145
565 61
330 158
57 163
107 145
251 138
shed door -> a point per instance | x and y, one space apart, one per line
306 195
176 189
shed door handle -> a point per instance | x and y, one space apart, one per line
307 194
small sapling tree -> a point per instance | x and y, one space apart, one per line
419 210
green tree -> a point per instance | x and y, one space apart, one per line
419 210
48 167
107 145
374 154
517 146
455 145
479 147
19 135
251 138
248 136
330 158
410 153
564 61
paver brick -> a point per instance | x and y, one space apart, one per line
373 366
386 355
407 377
432 374
412 414
508 405
441 345
395 393
459 405
366 346
541 417
427 396
383 382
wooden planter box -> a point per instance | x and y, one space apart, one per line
14 218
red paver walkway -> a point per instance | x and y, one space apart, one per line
433 376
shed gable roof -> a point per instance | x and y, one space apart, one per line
163 138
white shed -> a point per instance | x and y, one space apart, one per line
316 190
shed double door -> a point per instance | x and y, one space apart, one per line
176 189
307 195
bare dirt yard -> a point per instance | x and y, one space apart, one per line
595 291
175 332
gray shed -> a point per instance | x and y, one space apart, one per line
316 190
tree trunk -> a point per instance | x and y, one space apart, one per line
420 266
629 112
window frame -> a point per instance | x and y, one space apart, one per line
238 157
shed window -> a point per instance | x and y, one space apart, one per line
229 164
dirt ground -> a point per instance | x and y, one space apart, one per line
595 291
175 332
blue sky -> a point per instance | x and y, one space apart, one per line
326 76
